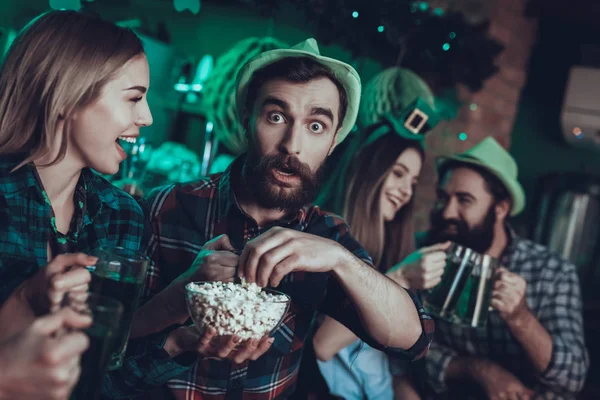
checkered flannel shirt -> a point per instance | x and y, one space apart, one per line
184 218
112 218
553 296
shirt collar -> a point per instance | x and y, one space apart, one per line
511 247
14 183
227 202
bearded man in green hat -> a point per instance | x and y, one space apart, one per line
256 221
532 345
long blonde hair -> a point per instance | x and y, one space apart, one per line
57 65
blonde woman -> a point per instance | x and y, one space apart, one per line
72 86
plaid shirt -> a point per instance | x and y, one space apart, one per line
184 218
554 299
112 218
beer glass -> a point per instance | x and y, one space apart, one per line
120 274
106 315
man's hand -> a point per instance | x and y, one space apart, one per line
209 345
216 261
65 273
498 383
508 295
423 269
42 362
271 256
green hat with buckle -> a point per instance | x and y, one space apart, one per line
490 155
412 122
347 76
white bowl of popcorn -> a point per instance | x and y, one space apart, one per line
245 310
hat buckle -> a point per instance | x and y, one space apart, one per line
416 121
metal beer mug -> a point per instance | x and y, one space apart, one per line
464 293
441 299
474 302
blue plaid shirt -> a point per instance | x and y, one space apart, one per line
184 217
111 218
553 296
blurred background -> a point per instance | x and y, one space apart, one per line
526 72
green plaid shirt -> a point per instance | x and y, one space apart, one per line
111 218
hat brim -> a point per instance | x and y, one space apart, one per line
514 188
347 76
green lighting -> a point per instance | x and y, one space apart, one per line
452 35
462 136
354 14
423 6
473 106
380 28
446 46
438 11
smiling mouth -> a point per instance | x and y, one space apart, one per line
395 201
128 139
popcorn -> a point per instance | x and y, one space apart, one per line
245 310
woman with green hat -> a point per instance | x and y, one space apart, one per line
373 188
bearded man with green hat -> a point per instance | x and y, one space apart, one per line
532 345
256 221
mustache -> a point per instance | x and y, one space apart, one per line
440 224
288 163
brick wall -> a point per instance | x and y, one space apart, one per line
492 110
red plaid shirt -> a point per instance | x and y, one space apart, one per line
186 217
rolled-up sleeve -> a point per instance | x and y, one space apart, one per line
561 315
436 362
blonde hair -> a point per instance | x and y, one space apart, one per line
57 65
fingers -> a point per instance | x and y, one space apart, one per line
246 350
254 250
268 262
63 262
431 280
231 342
253 349
263 346
498 305
437 258
65 282
204 344
68 346
439 247
283 268
64 318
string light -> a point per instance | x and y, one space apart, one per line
380 28
354 14
452 35
473 106
462 136
446 46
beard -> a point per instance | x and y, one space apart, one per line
273 194
478 238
